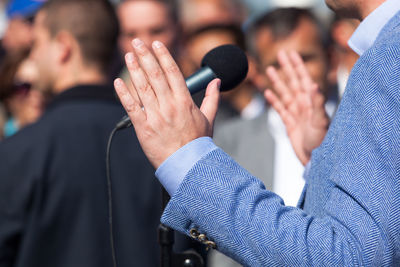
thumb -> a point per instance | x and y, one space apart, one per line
209 107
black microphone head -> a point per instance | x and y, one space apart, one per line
229 63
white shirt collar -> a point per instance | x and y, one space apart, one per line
367 32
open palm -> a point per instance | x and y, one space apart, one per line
299 103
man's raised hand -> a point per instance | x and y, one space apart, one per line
159 104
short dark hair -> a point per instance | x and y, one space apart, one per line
93 23
233 29
283 21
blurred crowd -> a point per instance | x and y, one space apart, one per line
246 128
189 28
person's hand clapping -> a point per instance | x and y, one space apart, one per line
160 105
299 103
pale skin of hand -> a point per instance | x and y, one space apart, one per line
159 104
299 103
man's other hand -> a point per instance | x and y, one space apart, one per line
299 103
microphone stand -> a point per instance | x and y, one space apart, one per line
166 240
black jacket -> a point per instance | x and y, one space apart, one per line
53 193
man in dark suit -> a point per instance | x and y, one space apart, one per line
53 189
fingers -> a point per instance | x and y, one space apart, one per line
277 104
300 68
156 77
288 88
132 91
297 86
140 83
153 72
209 107
289 71
130 103
172 72
280 87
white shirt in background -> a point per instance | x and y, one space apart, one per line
288 181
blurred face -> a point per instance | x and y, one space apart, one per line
28 104
147 20
198 13
18 35
43 54
305 39
200 45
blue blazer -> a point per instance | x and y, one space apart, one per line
349 213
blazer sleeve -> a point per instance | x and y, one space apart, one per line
220 199
351 214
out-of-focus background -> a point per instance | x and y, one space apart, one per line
246 127
184 24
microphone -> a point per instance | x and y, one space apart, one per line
226 62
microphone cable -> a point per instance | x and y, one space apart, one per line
126 123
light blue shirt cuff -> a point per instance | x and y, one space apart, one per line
174 169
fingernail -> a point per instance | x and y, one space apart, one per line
219 84
118 82
157 44
129 57
270 69
137 42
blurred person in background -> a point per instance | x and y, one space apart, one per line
245 100
23 103
53 187
195 14
3 25
3 119
18 35
149 20
261 145
318 7
3 17
269 34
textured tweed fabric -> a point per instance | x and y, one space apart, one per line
349 214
